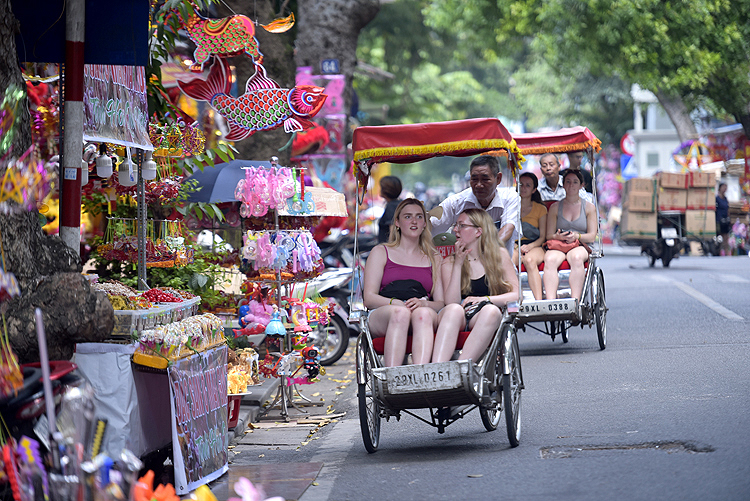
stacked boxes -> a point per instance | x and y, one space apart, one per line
672 191
700 216
639 210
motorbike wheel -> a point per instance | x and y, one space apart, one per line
332 340
666 256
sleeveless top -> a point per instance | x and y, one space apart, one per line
478 288
577 225
394 271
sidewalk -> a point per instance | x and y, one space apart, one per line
263 431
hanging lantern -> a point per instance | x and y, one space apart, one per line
84 173
148 169
103 166
126 175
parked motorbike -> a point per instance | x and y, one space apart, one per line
332 340
337 250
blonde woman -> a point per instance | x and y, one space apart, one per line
407 267
480 275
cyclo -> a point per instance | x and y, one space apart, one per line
493 383
558 315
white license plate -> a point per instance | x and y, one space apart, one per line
428 377
548 306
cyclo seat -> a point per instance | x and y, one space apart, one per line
379 342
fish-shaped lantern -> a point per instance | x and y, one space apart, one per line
228 36
263 106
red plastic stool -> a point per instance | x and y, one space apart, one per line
233 410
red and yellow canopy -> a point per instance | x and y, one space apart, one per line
559 141
414 142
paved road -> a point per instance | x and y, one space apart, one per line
662 413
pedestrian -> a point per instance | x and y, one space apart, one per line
390 190
501 203
723 222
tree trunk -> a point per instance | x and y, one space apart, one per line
675 108
47 270
329 29
277 50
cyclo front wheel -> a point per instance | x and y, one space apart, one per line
600 310
491 416
512 386
369 408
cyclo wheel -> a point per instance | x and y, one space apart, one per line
512 385
491 416
369 409
600 310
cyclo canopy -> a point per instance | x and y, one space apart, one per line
414 142
559 141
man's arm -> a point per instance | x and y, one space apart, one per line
446 220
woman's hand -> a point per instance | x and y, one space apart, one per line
525 248
566 236
460 253
415 303
473 299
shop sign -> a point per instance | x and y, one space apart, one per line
115 105
198 390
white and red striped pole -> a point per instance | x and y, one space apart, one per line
70 203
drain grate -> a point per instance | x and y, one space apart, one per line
570 451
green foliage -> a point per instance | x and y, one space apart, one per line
699 50
433 78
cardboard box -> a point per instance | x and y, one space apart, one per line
642 184
702 180
673 180
638 225
638 201
672 199
701 198
700 223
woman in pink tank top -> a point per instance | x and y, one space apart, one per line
409 254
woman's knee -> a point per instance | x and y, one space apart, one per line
424 314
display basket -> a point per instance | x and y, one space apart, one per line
130 322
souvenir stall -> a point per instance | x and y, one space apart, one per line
279 255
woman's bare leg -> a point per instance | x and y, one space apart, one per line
532 260
483 327
423 321
451 321
393 323
552 261
576 257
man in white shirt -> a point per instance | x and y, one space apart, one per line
550 167
502 204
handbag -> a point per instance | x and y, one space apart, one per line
473 308
530 232
565 247
404 289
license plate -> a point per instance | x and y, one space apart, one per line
548 306
428 377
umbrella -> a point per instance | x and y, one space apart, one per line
217 183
